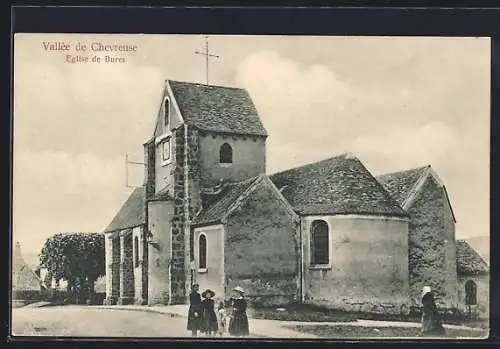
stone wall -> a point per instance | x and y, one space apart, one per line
368 264
482 308
112 268
213 275
431 257
262 249
187 202
160 215
249 158
138 263
127 283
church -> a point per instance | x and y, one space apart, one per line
327 233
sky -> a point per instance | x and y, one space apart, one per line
395 102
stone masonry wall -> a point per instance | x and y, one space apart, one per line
427 246
178 262
262 249
185 208
126 270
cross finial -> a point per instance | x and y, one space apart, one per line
207 55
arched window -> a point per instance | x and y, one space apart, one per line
470 293
226 154
202 252
166 113
136 250
320 244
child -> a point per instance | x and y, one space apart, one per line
221 318
208 317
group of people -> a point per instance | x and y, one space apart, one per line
206 318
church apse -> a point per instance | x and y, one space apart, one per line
361 264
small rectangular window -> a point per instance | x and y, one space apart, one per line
166 150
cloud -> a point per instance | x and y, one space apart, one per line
85 108
55 191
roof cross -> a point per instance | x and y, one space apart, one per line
207 55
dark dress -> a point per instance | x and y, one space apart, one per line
431 319
238 325
208 317
194 322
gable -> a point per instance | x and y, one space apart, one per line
217 208
401 184
404 186
216 108
175 118
469 262
339 185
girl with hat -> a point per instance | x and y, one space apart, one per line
238 325
194 313
431 319
208 318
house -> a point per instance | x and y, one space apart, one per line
26 285
473 281
432 251
327 233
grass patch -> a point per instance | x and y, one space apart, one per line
355 332
311 313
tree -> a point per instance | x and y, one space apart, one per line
78 258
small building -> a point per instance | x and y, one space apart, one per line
26 285
473 281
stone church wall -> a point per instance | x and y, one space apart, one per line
159 253
482 308
368 269
249 158
262 250
432 256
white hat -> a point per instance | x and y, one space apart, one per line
425 290
238 289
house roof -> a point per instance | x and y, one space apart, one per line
23 276
131 214
217 108
216 207
469 262
404 185
400 184
339 185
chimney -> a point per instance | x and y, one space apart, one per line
17 249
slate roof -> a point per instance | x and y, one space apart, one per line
215 207
339 185
469 262
217 108
131 213
400 184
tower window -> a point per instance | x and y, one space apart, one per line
166 113
470 293
165 151
202 252
320 244
226 154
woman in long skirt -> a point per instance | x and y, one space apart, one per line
208 318
431 319
238 325
194 313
